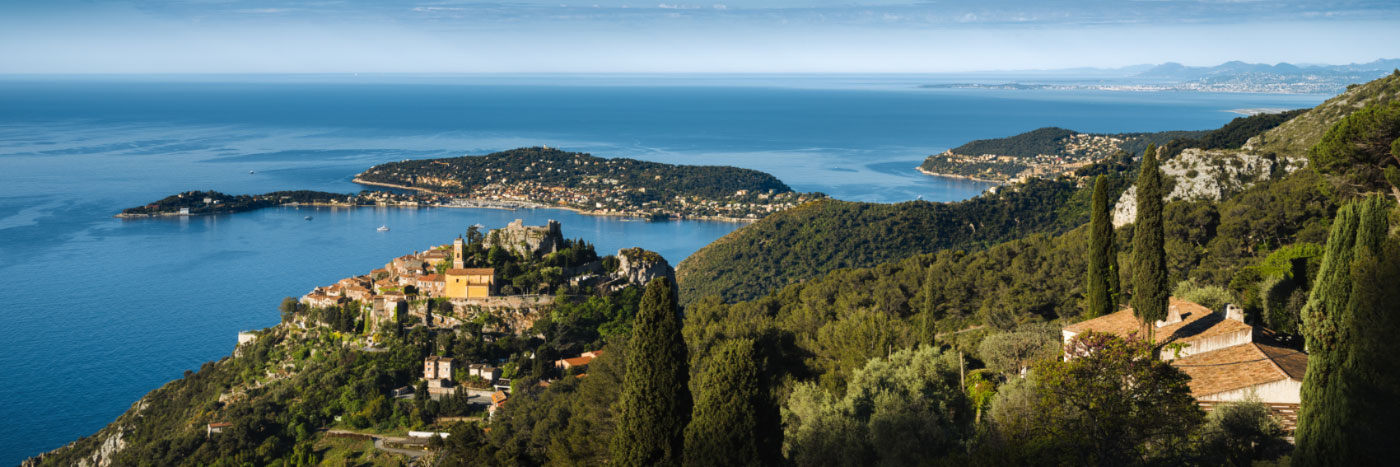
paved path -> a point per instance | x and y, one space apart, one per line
379 444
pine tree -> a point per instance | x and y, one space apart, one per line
655 403
724 428
1349 325
1101 288
1149 250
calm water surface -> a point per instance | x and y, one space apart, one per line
101 310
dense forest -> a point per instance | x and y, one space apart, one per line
552 167
810 240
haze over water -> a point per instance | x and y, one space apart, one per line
101 311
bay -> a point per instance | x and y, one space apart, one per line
103 310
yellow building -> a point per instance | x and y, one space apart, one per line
470 283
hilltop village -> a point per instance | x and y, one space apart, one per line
499 284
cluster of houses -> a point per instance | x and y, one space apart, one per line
1227 359
439 372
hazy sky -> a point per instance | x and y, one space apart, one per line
260 36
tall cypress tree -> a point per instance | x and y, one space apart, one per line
1149 249
655 401
928 326
1101 287
1347 409
724 428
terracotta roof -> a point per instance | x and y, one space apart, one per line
1291 361
471 272
499 397
220 424
1196 322
430 278
1240 366
572 362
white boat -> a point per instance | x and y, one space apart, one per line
251 172
308 217
383 228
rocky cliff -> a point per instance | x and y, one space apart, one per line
529 241
638 266
1207 174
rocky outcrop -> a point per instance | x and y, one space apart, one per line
637 266
1198 174
530 241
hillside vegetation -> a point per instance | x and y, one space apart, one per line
812 239
1293 138
552 167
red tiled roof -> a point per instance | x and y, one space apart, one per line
1196 322
1240 366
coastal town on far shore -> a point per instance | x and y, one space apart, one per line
528 178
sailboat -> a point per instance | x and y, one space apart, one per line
383 228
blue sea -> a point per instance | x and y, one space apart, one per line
100 310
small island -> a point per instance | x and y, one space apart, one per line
545 177
197 203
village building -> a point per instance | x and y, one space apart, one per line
319 300
486 372
431 284
435 256
473 283
216 427
438 373
359 294
580 361
498 400
435 367
1227 359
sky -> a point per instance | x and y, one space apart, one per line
855 36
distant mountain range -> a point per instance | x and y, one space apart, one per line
1234 76
1177 71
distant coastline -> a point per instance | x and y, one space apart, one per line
457 201
960 177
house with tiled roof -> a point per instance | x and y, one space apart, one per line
1195 326
1227 359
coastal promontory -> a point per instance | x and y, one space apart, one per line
594 185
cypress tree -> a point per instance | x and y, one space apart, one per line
1149 250
654 406
1348 390
724 428
928 329
1101 287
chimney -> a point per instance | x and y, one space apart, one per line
1233 311
1173 316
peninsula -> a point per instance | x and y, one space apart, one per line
545 177
196 203
1051 152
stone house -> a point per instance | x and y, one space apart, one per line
1227 359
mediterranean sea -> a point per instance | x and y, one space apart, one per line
99 311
